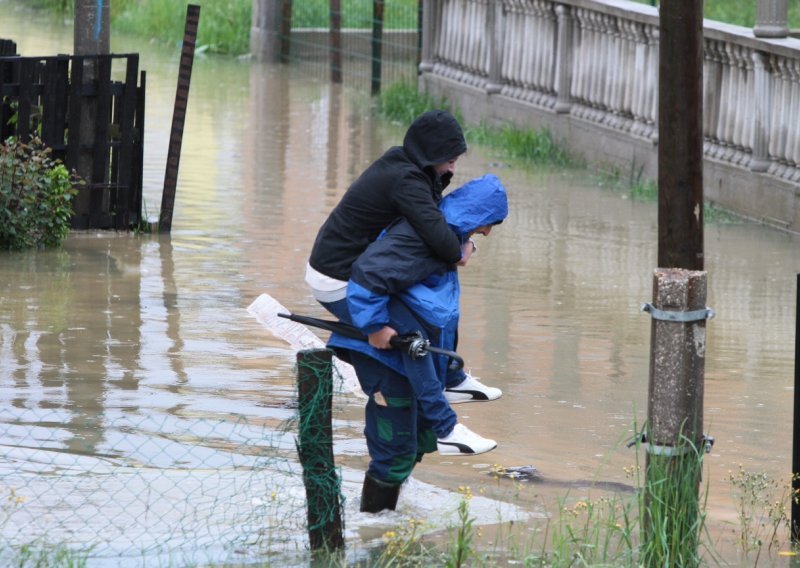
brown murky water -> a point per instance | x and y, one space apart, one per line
113 327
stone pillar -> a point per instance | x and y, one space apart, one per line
428 31
265 30
759 162
563 59
91 36
495 27
771 18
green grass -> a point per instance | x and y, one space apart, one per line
401 103
225 24
740 12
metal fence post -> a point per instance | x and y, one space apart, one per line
315 448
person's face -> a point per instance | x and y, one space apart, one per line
448 167
485 230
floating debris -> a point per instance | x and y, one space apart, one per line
520 473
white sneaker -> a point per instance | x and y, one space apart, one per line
463 441
471 390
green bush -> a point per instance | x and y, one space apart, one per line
36 194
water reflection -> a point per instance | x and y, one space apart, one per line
115 329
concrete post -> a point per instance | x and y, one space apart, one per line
428 29
771 18
759 161
265 30
677 360
675 441
563 59
91 36
495 27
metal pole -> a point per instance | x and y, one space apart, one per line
336 40
178 118
377 45
315 448
680 135
795 526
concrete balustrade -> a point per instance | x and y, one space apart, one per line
588 69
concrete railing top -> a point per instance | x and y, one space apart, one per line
713 29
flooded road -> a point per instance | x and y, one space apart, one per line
125 351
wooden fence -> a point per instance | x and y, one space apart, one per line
93 123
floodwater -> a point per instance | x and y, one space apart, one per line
131 361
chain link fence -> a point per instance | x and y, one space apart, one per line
171 490
360 43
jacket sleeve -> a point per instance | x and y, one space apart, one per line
369 311
416 203
390 265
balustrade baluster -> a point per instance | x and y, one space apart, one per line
793 128
580 59
741 98
779 126
759 161
563 67
652 82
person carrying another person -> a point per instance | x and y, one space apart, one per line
406 181
399 286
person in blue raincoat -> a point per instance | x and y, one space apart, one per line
398 286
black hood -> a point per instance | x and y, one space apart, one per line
433 138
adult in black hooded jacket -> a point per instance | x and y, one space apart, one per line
402 183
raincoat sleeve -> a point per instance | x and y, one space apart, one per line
417 205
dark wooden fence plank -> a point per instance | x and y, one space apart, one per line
100 151
137 163
26 74
47 96
126 104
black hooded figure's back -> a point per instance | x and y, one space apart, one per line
401 183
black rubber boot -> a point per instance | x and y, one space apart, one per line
378 495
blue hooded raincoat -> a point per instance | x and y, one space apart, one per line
398 273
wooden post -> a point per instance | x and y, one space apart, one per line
795 524
286 30
680 135
377 45
336 40
315 447
674 435
178 118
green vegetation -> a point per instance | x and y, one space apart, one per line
225 24
36 554
35 197
739 12
401 103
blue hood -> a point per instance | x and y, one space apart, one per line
479 202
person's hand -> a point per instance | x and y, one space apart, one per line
380 339
467 249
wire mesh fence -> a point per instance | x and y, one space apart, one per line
360 43
169 490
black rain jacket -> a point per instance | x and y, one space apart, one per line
401 183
